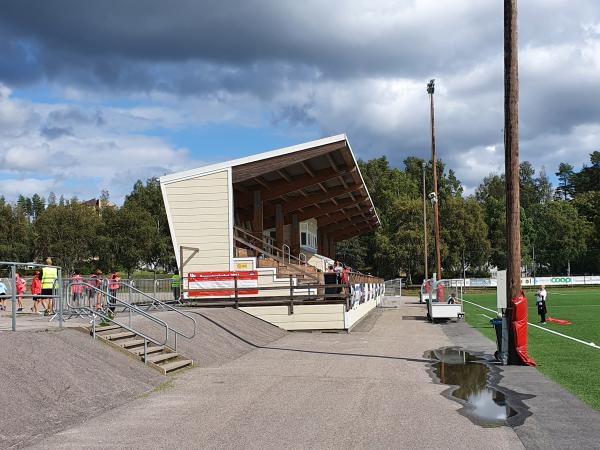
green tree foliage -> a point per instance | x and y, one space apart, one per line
565 189
128 237
15 234
148 197
588 179
561 235
67 232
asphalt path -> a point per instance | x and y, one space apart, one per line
366 389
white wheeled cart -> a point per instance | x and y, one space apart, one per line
425 293
440 306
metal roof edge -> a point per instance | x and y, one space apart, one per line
363 181
178 176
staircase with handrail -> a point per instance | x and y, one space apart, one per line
281 259
153 351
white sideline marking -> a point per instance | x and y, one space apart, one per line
589 344
486 316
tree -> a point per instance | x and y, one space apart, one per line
561 235
129 235
588 179
148 197
15 235
565 189
38 204
68 233
464 236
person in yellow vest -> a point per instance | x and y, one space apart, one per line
176 286
49 280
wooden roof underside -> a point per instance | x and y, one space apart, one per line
321 182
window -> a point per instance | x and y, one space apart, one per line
308 235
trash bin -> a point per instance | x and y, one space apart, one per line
497 324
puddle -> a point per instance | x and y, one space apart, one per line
471 378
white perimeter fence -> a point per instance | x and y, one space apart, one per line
559 280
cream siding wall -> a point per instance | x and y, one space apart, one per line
305 317
198 210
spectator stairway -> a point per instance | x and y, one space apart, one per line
160 357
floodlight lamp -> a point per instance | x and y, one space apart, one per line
431 86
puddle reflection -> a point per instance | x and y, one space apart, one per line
486 406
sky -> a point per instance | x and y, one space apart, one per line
95 95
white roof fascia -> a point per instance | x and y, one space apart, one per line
179 176
363 181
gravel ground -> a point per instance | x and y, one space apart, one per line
51 380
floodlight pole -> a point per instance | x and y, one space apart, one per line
511 154
425 237
436 217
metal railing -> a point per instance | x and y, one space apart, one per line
154 302
275 253
107 316
56 289
350 294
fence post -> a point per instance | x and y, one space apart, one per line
60 298
14 297
291 307
235 291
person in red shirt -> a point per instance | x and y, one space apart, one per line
36 289
21 288
77 288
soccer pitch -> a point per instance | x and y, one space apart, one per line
573 365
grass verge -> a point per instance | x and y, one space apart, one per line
573 365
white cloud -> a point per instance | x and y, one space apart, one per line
94 155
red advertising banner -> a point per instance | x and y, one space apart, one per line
223 283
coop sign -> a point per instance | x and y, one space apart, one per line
561 280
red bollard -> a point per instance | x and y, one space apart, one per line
519 324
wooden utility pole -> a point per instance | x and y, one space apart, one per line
435 199
511 155
425 237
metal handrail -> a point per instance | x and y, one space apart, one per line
166 306
300 255
285 249
276 249
291 266
125 305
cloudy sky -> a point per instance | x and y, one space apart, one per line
96 94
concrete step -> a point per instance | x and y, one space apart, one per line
162 357
107 328
130 343
140 350
170 367
120 335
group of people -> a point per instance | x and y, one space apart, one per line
94 287
42 289
341 270
44 284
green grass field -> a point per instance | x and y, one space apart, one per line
571 364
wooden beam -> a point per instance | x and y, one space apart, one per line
261 182
283 175
354 233
344 224
350 163
308 169
295 241
279 188
257 215
247 171
279 225
333 218
316 211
